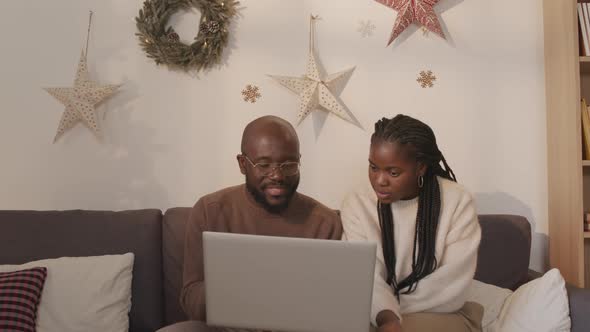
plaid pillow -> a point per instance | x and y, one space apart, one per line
20 293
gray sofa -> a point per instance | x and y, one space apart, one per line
157 241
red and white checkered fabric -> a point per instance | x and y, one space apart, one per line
20 293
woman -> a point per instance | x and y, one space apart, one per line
427 229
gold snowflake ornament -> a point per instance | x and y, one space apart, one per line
251 93
426 79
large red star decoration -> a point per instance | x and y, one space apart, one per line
413 11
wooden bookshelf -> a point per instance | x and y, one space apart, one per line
567 76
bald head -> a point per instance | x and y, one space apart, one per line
270 149
269 131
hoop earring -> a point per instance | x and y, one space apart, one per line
420 181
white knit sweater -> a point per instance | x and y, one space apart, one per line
457 242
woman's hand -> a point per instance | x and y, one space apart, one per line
387 321
390 327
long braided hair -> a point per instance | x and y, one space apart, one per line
420 139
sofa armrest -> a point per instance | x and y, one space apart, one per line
579 302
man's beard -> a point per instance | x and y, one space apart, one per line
260 198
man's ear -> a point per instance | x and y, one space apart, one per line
241 163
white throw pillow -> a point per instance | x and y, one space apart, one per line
84 293
490 297
537 306
541 305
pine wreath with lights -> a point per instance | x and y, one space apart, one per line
163 45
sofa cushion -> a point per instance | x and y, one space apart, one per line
20 293
541 305
173 255
504 252
84 293
34 235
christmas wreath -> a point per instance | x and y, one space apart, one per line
163 44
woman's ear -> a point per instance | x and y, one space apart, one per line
422 168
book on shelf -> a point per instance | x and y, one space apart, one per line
586 10
586 221
585 129
582 15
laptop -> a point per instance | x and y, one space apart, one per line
288 284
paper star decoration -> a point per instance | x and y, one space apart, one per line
317 90
413 11
80 100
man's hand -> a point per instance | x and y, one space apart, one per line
387 321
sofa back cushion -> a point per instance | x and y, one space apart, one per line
504 252
34 235
173 255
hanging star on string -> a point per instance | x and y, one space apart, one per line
80 100
413 11
316 90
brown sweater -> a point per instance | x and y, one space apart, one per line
233 210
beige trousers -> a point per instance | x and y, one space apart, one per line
467 319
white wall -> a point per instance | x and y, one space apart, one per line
172 137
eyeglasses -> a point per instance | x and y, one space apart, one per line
288 168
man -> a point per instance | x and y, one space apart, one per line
267 204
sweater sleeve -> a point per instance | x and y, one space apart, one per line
444 290
192 296
355 228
